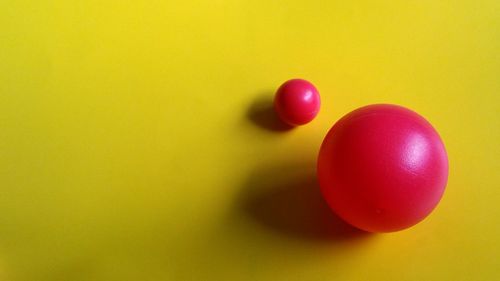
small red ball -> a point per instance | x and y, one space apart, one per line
382 168
297 102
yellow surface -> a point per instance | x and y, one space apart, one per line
135 144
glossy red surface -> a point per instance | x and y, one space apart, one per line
382 168
297 102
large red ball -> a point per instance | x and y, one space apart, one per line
382 168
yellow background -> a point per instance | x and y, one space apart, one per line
136 142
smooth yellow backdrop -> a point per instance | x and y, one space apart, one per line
135 143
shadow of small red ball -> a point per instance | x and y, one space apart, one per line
382 168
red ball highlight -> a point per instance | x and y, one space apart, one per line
382 168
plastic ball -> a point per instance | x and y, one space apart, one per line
297 102
382 168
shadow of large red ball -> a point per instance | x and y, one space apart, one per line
382 168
